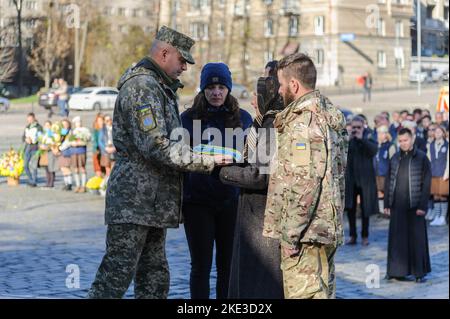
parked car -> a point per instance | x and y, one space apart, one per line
94 98
444 76
240 91
48 99
417 76
433 75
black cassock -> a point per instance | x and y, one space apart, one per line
408 240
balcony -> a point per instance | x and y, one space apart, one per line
290 8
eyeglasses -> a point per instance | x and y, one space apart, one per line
356 127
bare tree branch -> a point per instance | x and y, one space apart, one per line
8 64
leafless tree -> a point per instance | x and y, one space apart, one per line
18 6
104 72
8 65
48 56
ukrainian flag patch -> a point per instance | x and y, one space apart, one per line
300 146
147 120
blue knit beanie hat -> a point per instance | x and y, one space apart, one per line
216 73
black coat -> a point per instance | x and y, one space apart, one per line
419 180
360 168
255 266
407 188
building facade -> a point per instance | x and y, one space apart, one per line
345 38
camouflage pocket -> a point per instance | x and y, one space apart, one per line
146 117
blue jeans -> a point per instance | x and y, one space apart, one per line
63 111
30 150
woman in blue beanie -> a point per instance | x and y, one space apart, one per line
209 206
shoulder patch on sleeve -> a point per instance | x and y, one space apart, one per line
146 117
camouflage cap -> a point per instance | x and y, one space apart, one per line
181 42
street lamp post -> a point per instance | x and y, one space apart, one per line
419 47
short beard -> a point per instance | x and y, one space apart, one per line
288 97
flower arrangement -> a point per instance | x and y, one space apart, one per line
80 134
11 164
51 137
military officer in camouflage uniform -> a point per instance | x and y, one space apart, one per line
305 197
145 186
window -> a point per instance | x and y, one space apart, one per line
199 30
121 12
381 28
268 2
31 5
319 56
399 57
268 56
430 10
123 28
199 4
30 24
108 11
381 59
319 25
205 31
293 26
136 13
221 3
177 5
268 28
399 29
220 30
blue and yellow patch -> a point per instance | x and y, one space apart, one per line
147 119
300 146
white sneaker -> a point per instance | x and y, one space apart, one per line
438 221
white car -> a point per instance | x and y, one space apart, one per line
415 76
94 98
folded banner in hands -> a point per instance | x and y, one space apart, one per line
218 150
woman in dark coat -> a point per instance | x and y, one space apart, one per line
255 268
407 190
360 180
209 206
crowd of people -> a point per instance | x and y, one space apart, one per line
62 146
378 144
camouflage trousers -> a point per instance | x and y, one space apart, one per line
309 274
133 252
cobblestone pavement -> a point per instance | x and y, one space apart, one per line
42 232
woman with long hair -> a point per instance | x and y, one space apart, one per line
209 206
96 152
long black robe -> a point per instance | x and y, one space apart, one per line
408 240
255 266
